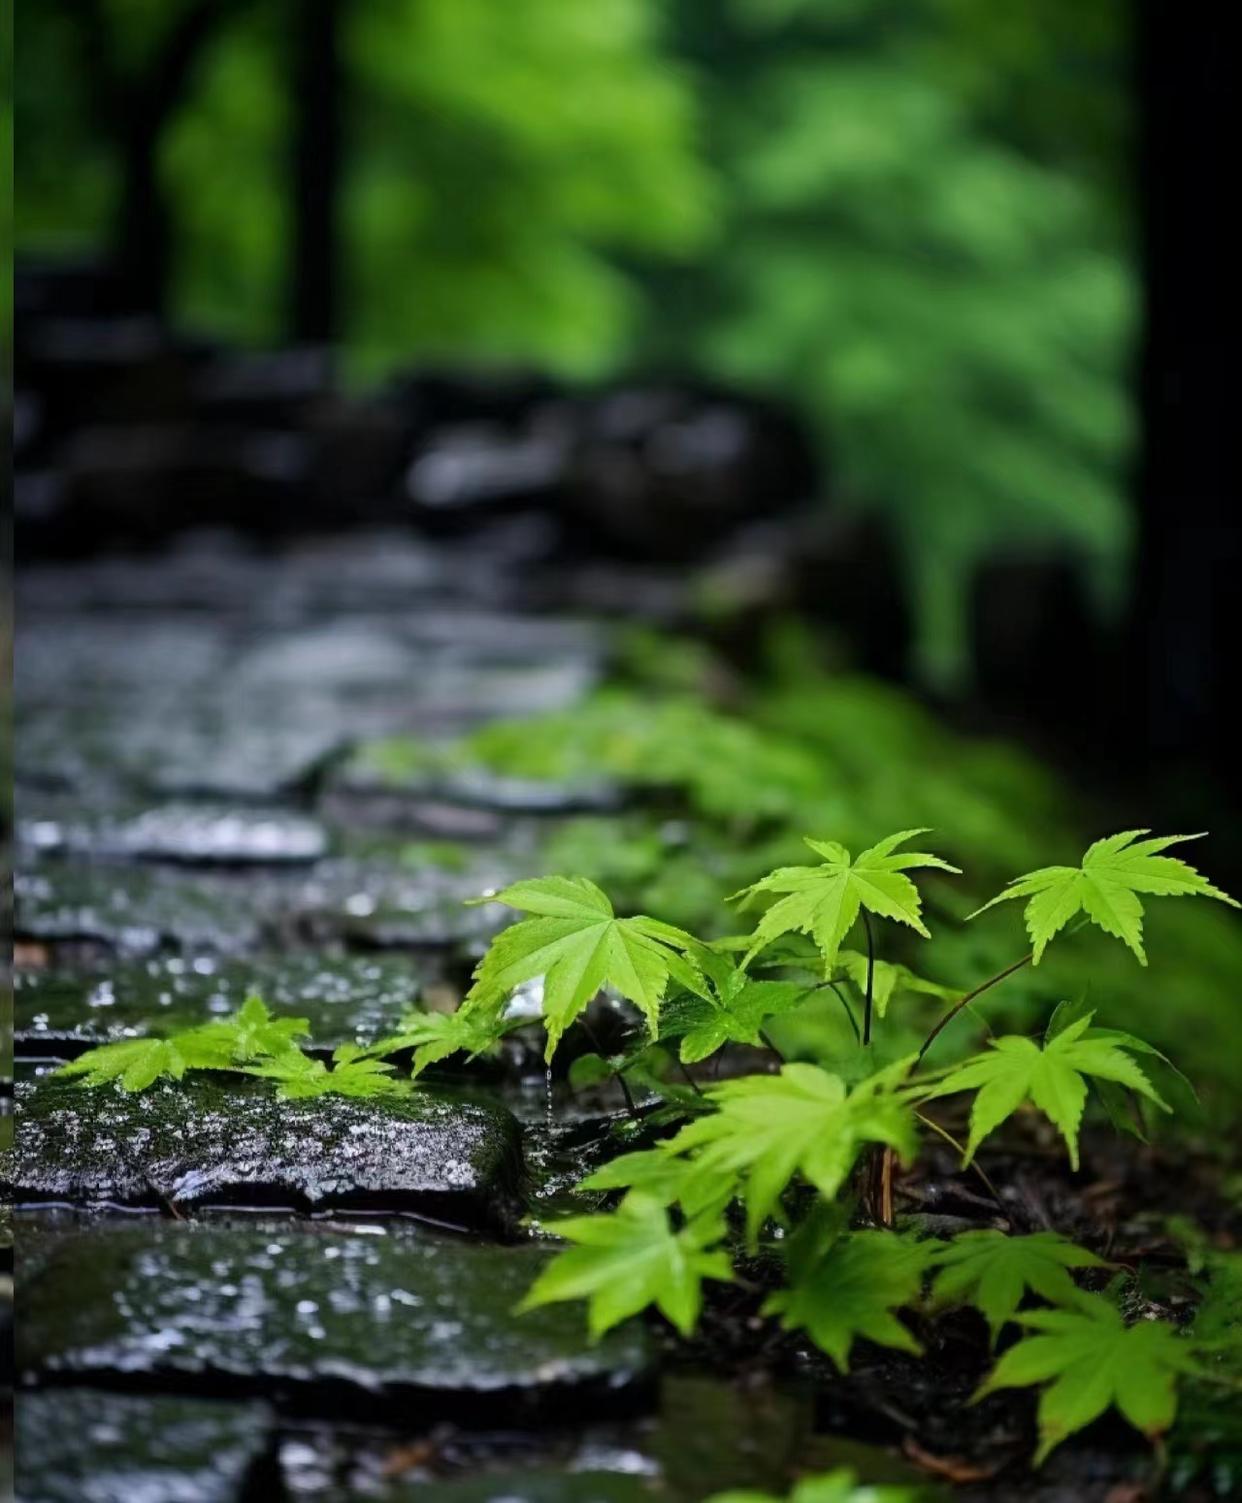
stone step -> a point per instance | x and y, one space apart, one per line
353 999
387 1323
87 1446
196 1142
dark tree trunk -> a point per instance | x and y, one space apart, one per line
134 112
313 313
143 239
1190 549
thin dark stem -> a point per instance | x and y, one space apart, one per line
950 1139
849 1011
763 1034
866 1035
689 1079
616 1074
968 999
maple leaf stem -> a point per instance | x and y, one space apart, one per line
689 1079
978 992
593 1040
968 999
763 1034
866 1033
953 1143
849 1011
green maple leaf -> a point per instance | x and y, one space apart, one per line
252 1031
825 901
767 1128
353 1073
577 944
1091 1359
632 1258
731 1008
670 1179
138 1063
887 979
838 1486
852 1290
991 1271
1106 887
436 1035
1017 1070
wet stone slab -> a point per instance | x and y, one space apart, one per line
367 904
386 1323
194 1142
244 707
88 1446
346 999
183 833
133 910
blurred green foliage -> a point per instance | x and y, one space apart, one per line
909 217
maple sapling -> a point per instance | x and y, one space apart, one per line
769 1159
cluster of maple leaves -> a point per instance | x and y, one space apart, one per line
746 1142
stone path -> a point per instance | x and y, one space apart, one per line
223 1298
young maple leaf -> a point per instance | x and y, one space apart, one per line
769 1127
852 1290
838 1486
298 1076
670 1179
888 978
1018 1070
434 1036
252 1031
824 901
991 1271
731 1008
577 944
1090 1358
1105 888
632 1258
138 1063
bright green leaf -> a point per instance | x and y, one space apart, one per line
824 901
1090 1359
1106 887
853 1290
991 1271
770 1127
253 1032
733 1013
1017 1070
632 1258
138 1063
353 1073
434 1036
577 944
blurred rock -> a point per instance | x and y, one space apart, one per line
666 472
266 388
89 1446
